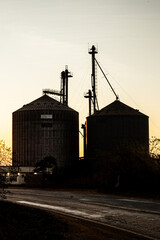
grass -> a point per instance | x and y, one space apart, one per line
18 222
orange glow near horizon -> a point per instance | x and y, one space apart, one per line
38 38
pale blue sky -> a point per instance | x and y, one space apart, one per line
39 37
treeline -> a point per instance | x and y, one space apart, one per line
123 173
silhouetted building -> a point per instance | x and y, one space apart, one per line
45 127
115 129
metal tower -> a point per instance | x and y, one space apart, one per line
93 51
64 86
63 93
89 96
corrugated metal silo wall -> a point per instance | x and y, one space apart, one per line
111 134
35 137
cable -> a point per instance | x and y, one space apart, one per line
107 79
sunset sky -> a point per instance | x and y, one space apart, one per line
39 37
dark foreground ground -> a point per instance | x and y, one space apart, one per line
19 222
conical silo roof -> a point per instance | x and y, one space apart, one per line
43 103
117 108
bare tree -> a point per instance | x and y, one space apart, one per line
154 147
5 160
5 154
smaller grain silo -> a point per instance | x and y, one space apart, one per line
116 128
42 128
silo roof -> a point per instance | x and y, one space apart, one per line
45 103
118 108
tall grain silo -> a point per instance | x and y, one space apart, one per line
116 128
45 127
